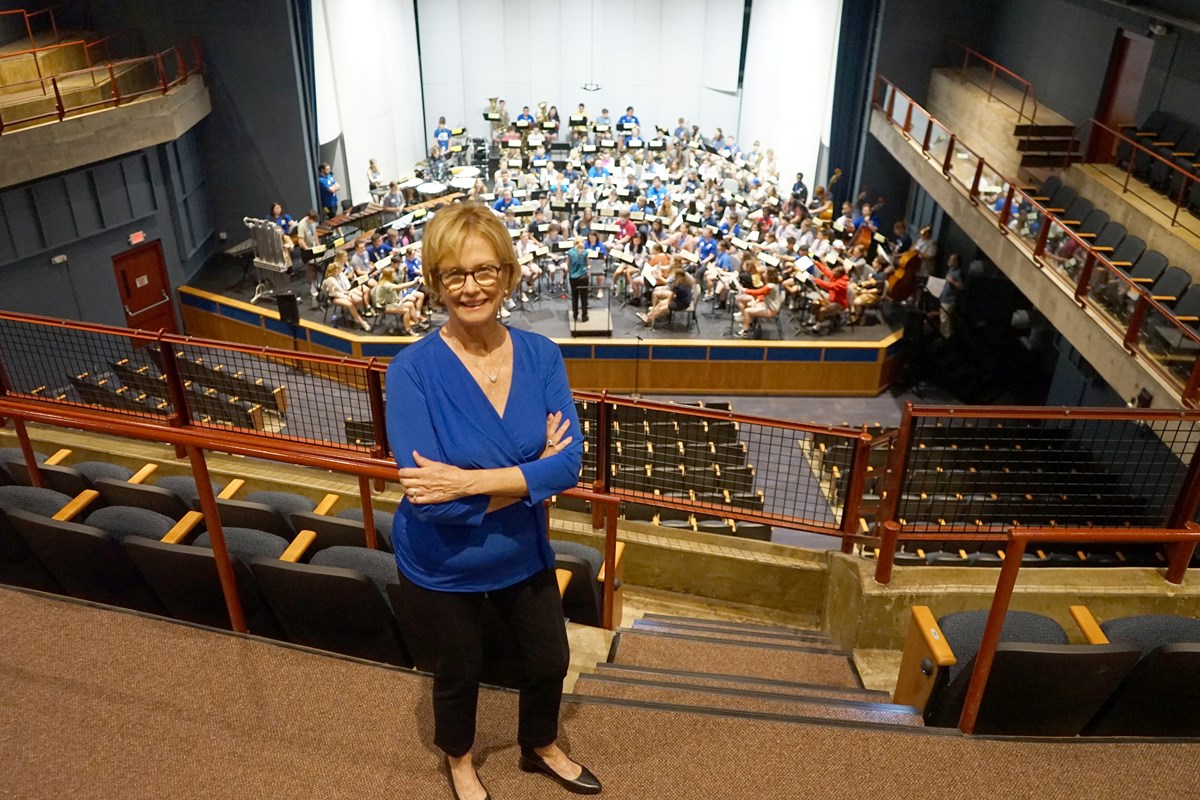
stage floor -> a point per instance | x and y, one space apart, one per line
551 316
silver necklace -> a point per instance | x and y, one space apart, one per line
472 362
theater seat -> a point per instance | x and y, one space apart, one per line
18 565
383 523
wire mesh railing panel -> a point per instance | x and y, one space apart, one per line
993 473
274 395
114 370
721 467
589 419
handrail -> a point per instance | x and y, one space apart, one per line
1181 540
104 41
884 99
33 51
1188 176
1029 93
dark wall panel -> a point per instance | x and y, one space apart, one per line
54 211
85 209
115 208
22 221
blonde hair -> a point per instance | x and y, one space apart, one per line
450 227
388 275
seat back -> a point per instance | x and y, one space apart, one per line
256 516
334 532
331 608
1173 283
1189 304
1079 209
18 564
184 579
1111 236
1150 266
1160 696
1130 250
1051 185
153 498
86 562
1094 222
581 600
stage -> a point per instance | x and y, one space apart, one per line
677 358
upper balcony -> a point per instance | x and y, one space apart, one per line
1082 279
76 98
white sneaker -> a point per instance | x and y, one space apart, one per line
524 297
510 303
504 313
312 289
366 326
599 294
737 315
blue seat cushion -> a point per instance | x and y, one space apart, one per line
247 543
122 521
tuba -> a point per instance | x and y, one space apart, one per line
541 112
493 105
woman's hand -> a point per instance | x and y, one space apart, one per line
433 482
556 428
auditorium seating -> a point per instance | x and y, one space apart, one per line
19 566
1176 143
1039 685
583 600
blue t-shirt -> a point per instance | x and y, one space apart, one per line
597 172
441 412
328 198
502 205
708 247
284 221
442 137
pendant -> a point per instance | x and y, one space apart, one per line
493 377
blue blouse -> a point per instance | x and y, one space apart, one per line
437 408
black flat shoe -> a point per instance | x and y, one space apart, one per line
586 783
454 789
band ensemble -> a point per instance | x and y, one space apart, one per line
662 219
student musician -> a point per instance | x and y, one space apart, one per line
596 251
656 268
374 175
636 248
441 136
836 285
393 200
329 190
306 234
397 300
676 296
336 287
556 261
765 301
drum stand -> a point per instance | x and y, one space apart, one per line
270 259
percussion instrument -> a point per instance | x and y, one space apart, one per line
463 183
431 190
465 172
409 188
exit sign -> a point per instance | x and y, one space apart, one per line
137 237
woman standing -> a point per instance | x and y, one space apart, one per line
487 431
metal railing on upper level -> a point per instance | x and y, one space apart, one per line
972 58
120 82
45 18
1143 322
1103 144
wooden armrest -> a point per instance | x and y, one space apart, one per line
925 652
1187 318
1147 133
142 474
233 488
1184 155
1082 235
1102 249
1070 221
564 578
182 529
1165 144
1167 297
1055 210
1038 197
1121 263
57 458
326 505
71 510
1142 280
296 549
1087 625
616 563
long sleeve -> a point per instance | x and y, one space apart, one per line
409 428
546 477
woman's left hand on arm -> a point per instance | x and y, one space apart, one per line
433 482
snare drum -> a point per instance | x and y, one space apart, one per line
463 183
464 172
432 191
409 188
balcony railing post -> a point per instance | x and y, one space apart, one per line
58 101
949 155
1179 555
216 536
991 635
1129 169
1135 323
378 418
1183 190
1085 279
1006 212
891 104
908 120
603 443
31 463
1193 384
364 496
975 182
112 83
610 558
859 462
168 362
887 552
183 75
1039 249
928 136
162 72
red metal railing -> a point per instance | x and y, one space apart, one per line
1180 540
1088 274
125 43
123 82
1095 135
1028 96
1183 505
28 18
33 54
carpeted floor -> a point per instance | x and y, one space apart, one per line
103 704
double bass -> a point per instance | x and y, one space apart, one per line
827 214
903 279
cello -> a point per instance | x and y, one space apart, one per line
826 215
903 279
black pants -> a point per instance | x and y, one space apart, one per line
579 294
450 622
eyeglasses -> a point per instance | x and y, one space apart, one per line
485 276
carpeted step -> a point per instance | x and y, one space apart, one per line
721 634
701 698
753 660
760 685
748 627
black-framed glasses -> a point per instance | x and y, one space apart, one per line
486 276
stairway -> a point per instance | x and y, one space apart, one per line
735 669
1047 145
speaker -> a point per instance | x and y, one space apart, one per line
289 308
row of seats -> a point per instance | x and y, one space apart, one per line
968 553
1148 269
676 518
1176 143
1135 676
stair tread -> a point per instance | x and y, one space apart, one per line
724 634
752 660
765 686
704 698
732 624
